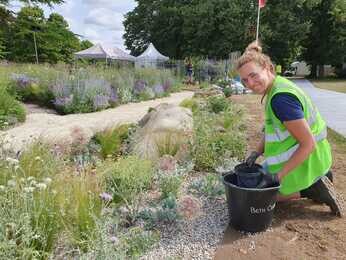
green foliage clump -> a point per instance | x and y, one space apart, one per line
210 186
137 241
111 140
190 103
218 104
227 91
217 136
127 178
170 185
165 212
11 111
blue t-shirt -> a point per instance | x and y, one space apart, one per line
287 107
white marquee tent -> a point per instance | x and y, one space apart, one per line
102 52
151 57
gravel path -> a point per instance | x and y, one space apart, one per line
196 239
57 129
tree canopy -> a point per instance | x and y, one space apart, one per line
19 33
295 29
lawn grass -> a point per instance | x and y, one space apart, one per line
338 140
337 85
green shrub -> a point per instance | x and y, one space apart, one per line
190 103
213 141
111 140
227 91
165 212
210 186
29 209
80 205
168 143
11 111
218 104
38 161
137 241
170 185
127 178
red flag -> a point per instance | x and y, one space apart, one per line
261 3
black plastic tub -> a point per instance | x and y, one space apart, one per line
248 177
250 209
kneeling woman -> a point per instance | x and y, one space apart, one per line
295 146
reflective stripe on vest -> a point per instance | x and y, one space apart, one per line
285 156
279 135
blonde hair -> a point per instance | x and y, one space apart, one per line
253 53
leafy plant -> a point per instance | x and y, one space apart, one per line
137 241
166 212
190 103
218 104
210 186
11 111
126 179
169 185
217 137
111 140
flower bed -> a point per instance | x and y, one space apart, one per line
96 200
88 89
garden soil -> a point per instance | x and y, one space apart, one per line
301 229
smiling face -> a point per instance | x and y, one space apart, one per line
256 77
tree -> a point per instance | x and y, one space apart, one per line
59 43
85 44
283 28
190 27
326 42
29 23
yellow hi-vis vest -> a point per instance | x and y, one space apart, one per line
280 144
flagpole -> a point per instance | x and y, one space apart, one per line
258 18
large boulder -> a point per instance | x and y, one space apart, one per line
166 129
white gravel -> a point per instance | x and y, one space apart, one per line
196 239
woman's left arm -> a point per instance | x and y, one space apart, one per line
300 130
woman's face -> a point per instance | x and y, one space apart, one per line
255 77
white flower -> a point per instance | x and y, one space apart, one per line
11 183
36 236
47 180
41 186
38 158
33 183
29 189
12 161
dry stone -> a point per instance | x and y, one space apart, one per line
164 130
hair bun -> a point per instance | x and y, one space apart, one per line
254 46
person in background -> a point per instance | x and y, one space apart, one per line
189 70
295 147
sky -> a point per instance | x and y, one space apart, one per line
99 21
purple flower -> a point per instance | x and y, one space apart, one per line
63 101
100 102
158 89
60 89
139 86
167 85
106 197
114 239
23 81
113 95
